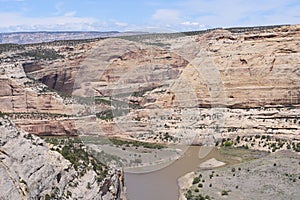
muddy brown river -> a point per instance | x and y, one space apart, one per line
162 184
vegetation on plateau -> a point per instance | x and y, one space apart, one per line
119 142
267 142
75 151
41 54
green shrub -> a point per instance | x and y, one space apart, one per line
228 144
47 197
196 180
89 186
188 194
224 192
69 194
207 197
28 136
2 114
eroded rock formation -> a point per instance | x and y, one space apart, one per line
29 169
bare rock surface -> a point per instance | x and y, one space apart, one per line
30 170
185 181
211 163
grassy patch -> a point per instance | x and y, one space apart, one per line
99 100
141 93
110 114
119 142
245 154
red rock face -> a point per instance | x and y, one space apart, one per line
17 98
59 127
35 112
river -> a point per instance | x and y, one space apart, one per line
162 184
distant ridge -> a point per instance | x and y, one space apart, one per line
239 29
49 36
199 32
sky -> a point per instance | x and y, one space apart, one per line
143 15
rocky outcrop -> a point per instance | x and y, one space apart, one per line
29 169
18 98
59 127
33 106
250 69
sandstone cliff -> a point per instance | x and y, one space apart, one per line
239 70
29 169
198 87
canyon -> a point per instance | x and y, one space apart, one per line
223 86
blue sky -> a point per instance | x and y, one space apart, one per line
143 15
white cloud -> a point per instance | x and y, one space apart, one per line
70 14
166 15
122 24
219 13
64 22
179 16
188 23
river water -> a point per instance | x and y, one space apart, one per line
162 184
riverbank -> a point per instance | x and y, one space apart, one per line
275 176
212 158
